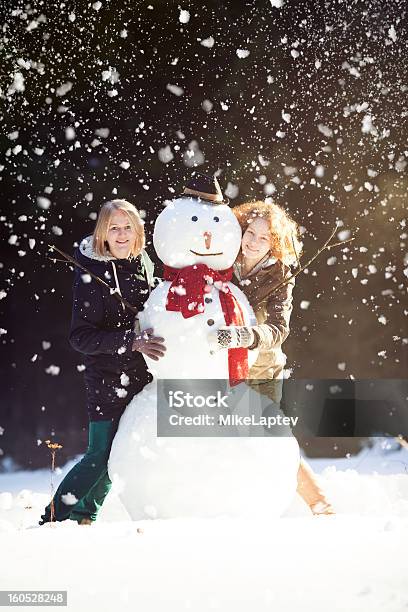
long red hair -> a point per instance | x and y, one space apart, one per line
285 241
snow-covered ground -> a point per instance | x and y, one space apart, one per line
355 560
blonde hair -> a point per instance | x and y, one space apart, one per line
285 242
100 233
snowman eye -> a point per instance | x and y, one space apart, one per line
194 218
216 219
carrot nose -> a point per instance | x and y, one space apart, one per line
207 239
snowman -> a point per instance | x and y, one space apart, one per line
206 323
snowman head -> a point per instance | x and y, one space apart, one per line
191 231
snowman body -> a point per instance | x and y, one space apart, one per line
189 355
196 476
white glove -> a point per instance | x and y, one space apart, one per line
233 336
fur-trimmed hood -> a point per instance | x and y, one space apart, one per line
86 248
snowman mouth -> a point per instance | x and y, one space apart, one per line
204 254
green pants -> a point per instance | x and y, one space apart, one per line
88 481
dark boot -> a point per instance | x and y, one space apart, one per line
88 507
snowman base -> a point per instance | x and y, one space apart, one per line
174 477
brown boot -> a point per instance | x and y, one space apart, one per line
310 491
322 508
85 521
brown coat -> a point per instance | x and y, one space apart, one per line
273 316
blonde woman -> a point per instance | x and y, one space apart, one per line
102 329
270 238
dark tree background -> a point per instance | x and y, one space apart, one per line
301 101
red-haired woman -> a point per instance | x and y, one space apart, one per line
269 245
103 330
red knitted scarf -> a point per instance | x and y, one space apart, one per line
186 295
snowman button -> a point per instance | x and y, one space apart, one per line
208 300
210 322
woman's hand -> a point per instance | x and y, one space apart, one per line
149 345
234 336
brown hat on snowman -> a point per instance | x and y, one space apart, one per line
204 187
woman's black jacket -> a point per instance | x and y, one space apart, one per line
102 329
